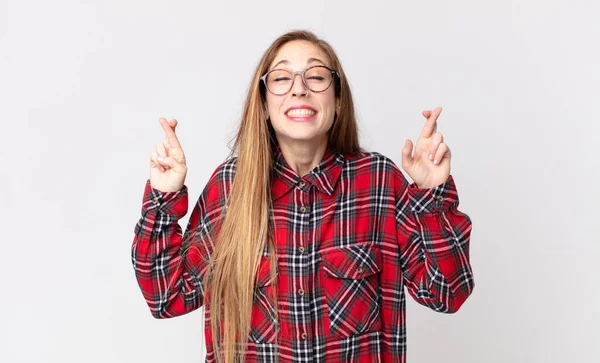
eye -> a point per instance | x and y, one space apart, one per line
279 79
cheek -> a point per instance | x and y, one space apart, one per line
271 105
329 106
329 100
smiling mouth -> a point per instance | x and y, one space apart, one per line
300 112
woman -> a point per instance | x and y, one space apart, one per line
306 252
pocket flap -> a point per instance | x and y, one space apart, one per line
353 262
263 276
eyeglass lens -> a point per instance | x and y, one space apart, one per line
317 79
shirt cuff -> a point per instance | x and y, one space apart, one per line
435 199
172 203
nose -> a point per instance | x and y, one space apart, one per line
298 88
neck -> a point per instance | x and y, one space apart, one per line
303 156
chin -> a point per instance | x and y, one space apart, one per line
298 132
295 135
300 137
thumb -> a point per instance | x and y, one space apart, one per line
407 158
169 162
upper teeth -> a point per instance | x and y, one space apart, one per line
301 112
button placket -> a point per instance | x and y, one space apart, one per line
303 200
439 201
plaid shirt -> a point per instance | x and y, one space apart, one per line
350 236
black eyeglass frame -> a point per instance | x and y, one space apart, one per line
301 73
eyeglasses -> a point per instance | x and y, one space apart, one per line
315 78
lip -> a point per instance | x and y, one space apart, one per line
304 118
306 107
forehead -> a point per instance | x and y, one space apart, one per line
298 52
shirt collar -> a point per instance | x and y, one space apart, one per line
324 176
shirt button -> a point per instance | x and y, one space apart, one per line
359 270
155 200
301 249
303 209
304 336
301 184
440 198
301 292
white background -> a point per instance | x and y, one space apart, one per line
83 84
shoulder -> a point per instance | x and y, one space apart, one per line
225 171
220 182
376 163
372 159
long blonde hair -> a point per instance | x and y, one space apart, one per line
245 230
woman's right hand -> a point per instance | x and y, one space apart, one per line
168 174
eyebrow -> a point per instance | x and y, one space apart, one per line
310 60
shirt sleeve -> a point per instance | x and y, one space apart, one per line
433 238
169 275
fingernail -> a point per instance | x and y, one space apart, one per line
430 156
160 158
435 161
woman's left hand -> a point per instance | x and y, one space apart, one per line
429 165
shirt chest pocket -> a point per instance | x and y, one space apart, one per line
263 326
352 291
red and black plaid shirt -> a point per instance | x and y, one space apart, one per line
350 236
